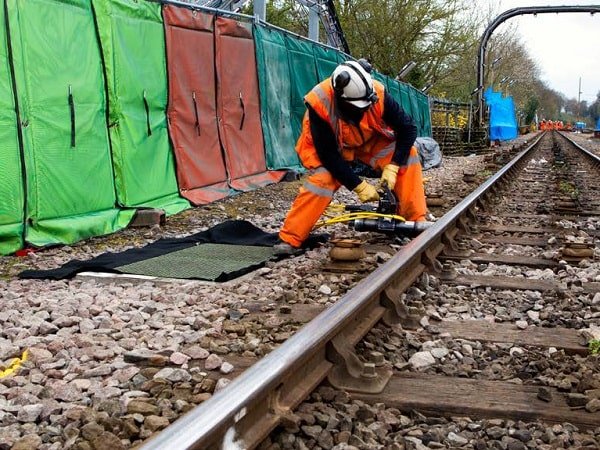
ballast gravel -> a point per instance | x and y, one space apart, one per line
106 363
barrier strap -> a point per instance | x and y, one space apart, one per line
197 124
243 111
147 108
72 112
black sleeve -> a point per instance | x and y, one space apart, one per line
327 149
403 126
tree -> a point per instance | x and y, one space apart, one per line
594 109
442 37
287 14
433 33
530 109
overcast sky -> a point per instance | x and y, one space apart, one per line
566 46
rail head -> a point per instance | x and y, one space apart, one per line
213 423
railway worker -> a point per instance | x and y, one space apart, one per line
351 116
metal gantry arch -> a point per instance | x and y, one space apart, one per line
504 17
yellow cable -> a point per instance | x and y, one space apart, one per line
334 209
356 215
14 365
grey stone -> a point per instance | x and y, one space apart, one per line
544 394
141 407
68 393
439 352
521 324
593 405
521 435
312 431
155 423
107 441
456 439
213 362
421 359
30 413
576 400
174 375
91 431
226 368
28 442
222 383
179 358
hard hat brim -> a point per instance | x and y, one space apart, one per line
359 103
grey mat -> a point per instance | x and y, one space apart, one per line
204 262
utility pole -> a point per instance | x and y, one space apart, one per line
260 9
579 100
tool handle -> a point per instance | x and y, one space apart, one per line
359 208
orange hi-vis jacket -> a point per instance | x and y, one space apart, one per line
371 132
372 141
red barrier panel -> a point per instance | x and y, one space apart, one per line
239 106
192 109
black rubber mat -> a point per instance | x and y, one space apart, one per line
202 262
230 233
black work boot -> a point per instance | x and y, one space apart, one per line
282 248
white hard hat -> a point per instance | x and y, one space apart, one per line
354 84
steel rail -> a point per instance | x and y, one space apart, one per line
589 154
216 423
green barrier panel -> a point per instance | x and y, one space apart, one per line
61 91
381 78
413 102
393 89
327 60
133 44
12 201
275 96
404 98
416 110
303 71
400 93
425 113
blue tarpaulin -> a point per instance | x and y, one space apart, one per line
503 121
598 125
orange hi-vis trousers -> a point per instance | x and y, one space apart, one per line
318 189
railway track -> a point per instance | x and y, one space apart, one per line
112 361
480 316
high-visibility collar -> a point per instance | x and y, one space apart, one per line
323 101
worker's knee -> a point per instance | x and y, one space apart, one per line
324 180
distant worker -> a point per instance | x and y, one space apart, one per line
351 116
